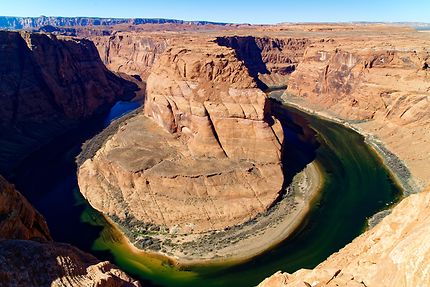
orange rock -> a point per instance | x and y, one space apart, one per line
213 160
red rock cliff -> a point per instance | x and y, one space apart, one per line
46 84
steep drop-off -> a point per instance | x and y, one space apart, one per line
395 253
18 219
204 155
269 60
41 262
383 90
131 53
380 85
46 86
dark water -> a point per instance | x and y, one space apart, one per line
356 186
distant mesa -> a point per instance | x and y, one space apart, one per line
15 23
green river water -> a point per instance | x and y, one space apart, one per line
356 186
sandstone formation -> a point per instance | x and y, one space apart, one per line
31 263
382 88
130 53
24 262
270 60
205 155
380 85
18 219
47 85
395 253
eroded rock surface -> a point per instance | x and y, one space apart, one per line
204 155
46 86
270 60
18 219
31 263
381 86
395 253
24 262
131 53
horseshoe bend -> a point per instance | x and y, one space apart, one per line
194 153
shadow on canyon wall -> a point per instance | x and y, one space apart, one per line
250 53
300 142
40 99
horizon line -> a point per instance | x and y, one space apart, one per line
226 23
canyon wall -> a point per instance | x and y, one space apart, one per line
130 53
270 60
28 257
396 253
19 220
204 155
47 85
382 88
380 85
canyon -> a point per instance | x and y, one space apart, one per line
49 85
45 89
205 141
376 82
204 156
29 257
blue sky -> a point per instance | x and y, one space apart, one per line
239 11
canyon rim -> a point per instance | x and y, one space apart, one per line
159 152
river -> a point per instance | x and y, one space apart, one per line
356 186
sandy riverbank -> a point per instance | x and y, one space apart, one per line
242 242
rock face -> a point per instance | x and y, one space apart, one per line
270 60
31 263
205 154
130 53
47 84
44 263
19 220
380 85
384 90
395 253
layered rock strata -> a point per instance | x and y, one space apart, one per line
270 60
47 85
395 253
379 85
130 53
383 90
204 155
19 220
32 263
41 262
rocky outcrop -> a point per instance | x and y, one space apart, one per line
395 253
18 219
131 53
384 90
31 263
269 60
358 83
205 155
47 85
380 85
42 262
